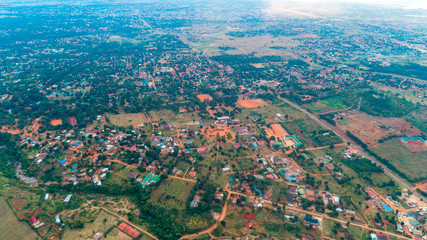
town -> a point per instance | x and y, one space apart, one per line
155 121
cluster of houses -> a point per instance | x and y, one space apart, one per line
376 200
195 202
413 222
36 222
243 131
287 168
296 194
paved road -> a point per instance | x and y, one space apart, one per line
355 146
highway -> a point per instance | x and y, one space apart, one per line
355 146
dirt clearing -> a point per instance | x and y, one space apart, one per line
251 103
56 122
204 97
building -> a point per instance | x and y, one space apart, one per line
128 230
310 221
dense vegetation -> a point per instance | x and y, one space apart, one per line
362 165
409 69
10 155
376 104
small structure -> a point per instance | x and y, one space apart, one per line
67 199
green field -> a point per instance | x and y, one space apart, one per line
402 158
409 95
334 102
99 225
172 193
10 227
318 107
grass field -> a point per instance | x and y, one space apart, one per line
318 107
334 102
260 45
10 227
99 225
121 176
344 121
407 94
172 193
170 117
127 119
401 157
116 234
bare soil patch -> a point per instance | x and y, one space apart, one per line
56 122
370 129
204 97
251 103
278 130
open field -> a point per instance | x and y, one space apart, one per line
370 129
10 227
121 175
169 116
251 103
116 234
162 115
407 94
318 107
172 193
101 223
128 119
220 43
334 102
400 156
418 119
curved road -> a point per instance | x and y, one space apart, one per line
355 146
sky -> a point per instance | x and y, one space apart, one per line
412 4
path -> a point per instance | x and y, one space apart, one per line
181 178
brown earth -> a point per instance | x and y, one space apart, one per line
251 103
204 97
56 122
370 129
